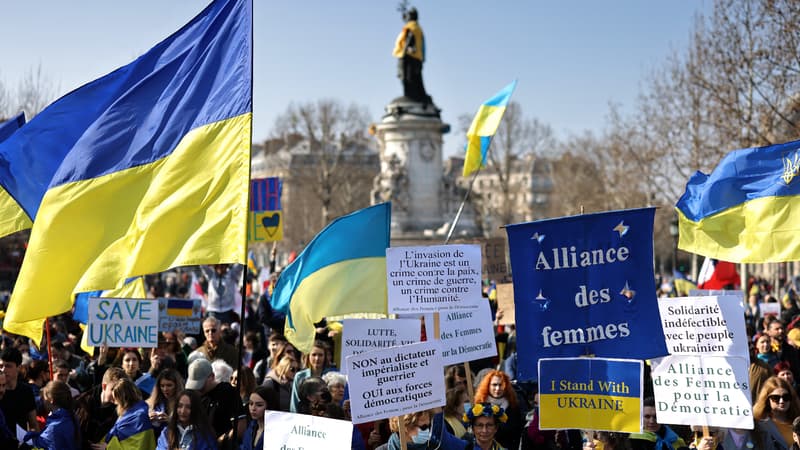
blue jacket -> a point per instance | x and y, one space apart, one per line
197 442
249 434
59 432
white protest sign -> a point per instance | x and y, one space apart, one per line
703 326
703 390
465 335
770 309
122 322
365 335
180 314
289 431
718 292
433 278
395 381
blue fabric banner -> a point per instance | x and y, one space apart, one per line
584 285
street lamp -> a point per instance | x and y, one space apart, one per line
673 231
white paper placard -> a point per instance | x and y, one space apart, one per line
703 390
704 326
122 322
466 335
288 431
395 381
433 278
365 335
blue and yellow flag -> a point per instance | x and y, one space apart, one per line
747 210
150 172
12 217
483 128
341 271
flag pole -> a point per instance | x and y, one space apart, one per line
247 205
49 345
461 207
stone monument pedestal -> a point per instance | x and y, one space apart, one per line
411 176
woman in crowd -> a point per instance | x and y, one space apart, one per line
131 362
252 351
495 388
336 384
316 362
280 379
245 381
423 431
776 407
314 396
188 426
61 432
486 419
764 351
796 434
133 429
784 370
454 411
261 400
161 402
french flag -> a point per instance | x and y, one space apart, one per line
716 275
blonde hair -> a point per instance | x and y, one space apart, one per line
125 395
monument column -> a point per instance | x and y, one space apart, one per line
410 143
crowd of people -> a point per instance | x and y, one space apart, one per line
205 392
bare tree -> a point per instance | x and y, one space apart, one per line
33 93
329 156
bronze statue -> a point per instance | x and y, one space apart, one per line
410 51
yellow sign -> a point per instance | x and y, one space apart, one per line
265 226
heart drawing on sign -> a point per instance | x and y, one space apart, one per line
271 223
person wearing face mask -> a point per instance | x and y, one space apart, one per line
495 388
424 430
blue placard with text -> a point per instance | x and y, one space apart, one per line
584 285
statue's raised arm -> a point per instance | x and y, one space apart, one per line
410 51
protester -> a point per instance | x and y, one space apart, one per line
424 430
261 400
776 407
223 288
214 346
188 426
18 403
220 400
495 388
655 435
133 429
161 402
314 396
765 352
62 431
7 439
244 380
485 419
336 382
454 411
316 362
796 434
280 379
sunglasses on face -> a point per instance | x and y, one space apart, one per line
424 427
778 398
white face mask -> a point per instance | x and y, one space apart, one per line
422 436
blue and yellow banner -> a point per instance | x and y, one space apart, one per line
747 210
265 221
484 126
590 393
584 285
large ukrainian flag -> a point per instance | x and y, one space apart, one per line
12 217
139 171
484 126
748 209
341 271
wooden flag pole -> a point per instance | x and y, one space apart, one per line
49 345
